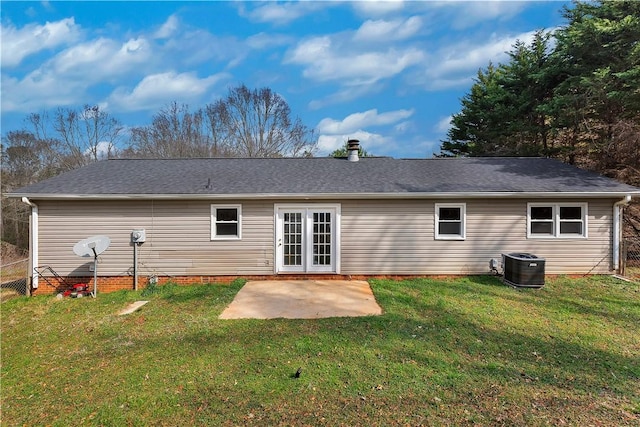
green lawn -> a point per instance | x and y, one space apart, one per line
446 352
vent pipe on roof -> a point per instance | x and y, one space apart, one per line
353 146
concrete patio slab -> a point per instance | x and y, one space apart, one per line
302 299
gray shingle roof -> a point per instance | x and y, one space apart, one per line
322 176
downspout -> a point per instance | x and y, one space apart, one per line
33 241
617 229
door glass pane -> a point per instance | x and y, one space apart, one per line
321 238
292 239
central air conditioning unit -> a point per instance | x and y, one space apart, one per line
523 270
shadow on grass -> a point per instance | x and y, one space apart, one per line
496 354
621 310
486 280
602 298
546 355
434 341
176 294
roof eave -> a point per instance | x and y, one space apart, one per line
325 196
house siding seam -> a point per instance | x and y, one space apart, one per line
377 238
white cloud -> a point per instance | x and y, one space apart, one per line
101 58
306 51
333 133
169 28
478 11
38 90
361 62
443 125
378 8
444 83
328 144
404 127
68 76
17 44
346 94
457 58
197 46
457 64
385 31
284 12
158 89
31 12
264 40
357 121
323 60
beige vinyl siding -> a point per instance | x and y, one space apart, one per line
378 237
397 237
178 238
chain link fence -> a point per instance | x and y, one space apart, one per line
13 279
630 256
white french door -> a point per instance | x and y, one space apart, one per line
307 238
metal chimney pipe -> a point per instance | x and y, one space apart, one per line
353 145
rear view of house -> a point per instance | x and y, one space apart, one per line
205 218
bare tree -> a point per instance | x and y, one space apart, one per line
257 123
88 135
174 132
247 123
26 159
47 146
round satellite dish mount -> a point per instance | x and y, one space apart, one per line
91 247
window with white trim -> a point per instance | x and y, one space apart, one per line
450 221
556 220
226 222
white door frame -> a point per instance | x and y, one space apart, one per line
307 210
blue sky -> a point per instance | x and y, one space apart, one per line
388 73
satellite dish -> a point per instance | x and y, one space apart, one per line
91 246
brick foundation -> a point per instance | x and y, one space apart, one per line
119 283
108 284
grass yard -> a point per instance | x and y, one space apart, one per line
467 351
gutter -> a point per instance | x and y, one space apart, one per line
327 196
33 241
617 229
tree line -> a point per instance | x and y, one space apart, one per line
244 123
571 94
